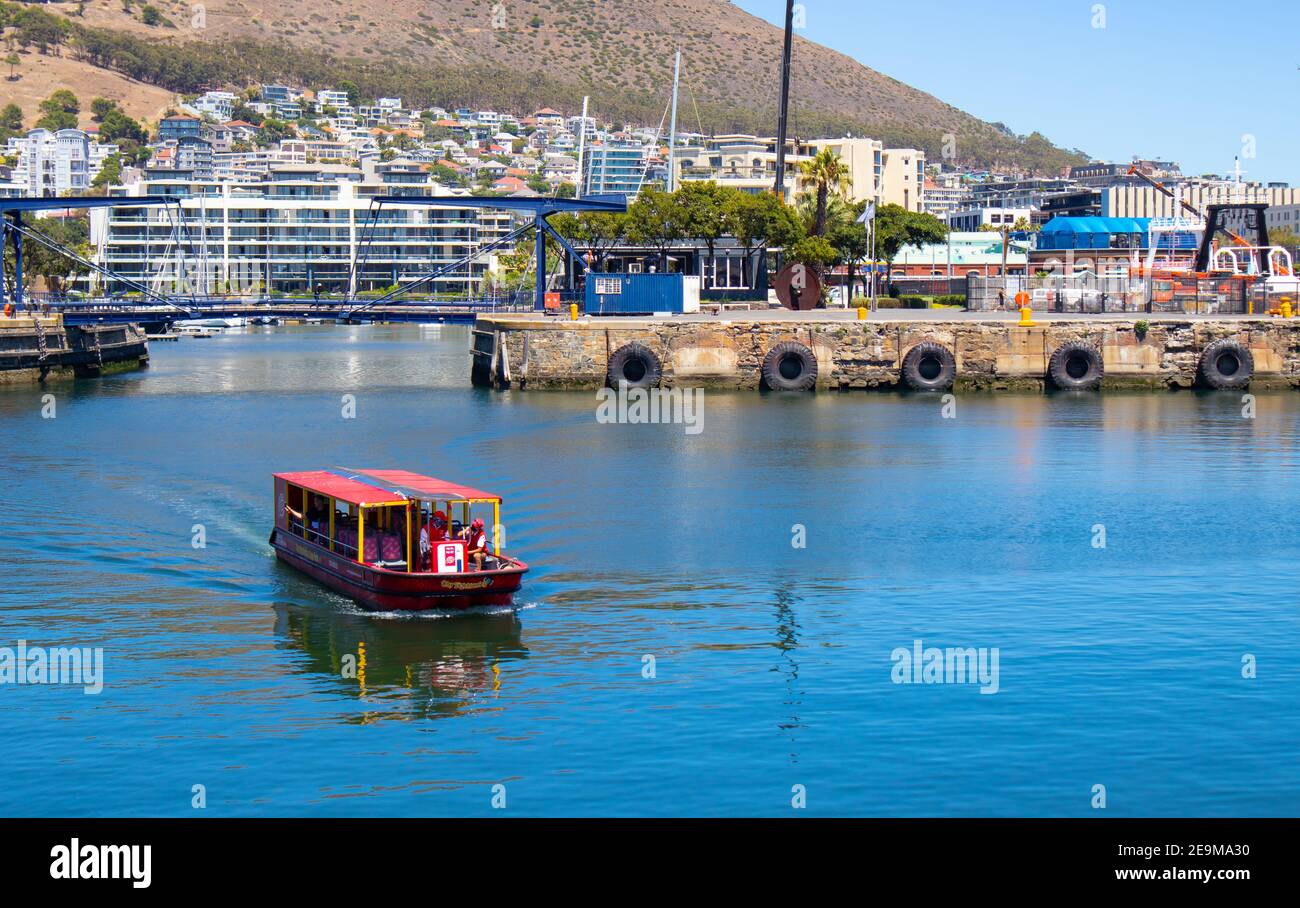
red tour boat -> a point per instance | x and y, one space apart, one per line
391 539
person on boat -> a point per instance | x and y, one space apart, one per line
433 531
476 548
316 519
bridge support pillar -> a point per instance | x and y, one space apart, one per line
539 303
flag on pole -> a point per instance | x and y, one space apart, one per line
868 214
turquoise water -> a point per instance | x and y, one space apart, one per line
772 664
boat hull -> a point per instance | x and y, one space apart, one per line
380 590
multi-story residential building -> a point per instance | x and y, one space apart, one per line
577 126
54 163
1018 193
329 97
944 194
865 159
220 105
744 162
179 126
895 176
195 155
547 118
290 231
613 170
284 102
902 178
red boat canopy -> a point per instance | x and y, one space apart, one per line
342 488
369 487
413 485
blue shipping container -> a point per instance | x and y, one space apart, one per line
634 294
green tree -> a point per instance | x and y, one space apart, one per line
55 267
100 107
597 232
110 173
851 242
703 210
655 220
11 121
897 227
825 175
13 60
815 251
116 126
760 221
59 111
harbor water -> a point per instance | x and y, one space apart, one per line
715 623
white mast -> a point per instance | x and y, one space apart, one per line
672 123
582 148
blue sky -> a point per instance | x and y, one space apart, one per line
1170 79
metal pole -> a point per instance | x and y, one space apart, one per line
672 123
873 255
582 149
782 120
950 256
18 260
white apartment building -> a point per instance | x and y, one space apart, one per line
54 163
329 97
219 105
945 195
968 220
293 229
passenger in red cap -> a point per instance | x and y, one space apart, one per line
433 531
476 547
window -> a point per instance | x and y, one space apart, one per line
728 273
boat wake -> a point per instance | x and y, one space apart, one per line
478 611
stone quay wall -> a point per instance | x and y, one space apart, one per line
534 353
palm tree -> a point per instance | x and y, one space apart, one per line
826 174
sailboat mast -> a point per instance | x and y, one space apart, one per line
582 148
672 123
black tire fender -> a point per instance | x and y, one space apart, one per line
929 366
1227 365
790 366
1076 366
636 365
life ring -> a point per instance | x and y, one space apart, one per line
790 366
634 365
929 366
1076 366
1227 365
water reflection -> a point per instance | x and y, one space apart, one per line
428 667
787 643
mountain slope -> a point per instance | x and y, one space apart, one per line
521 53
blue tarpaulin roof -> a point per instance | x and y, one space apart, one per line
1097 225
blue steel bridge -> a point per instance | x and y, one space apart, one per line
150 307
